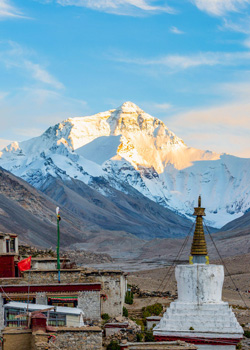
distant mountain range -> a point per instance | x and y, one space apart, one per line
111 224
31 214
124 170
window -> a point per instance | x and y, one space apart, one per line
7 245
11 321
68 301
20 299
12 245
57 320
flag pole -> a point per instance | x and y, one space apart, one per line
58 243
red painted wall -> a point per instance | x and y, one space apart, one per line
7 267
76 287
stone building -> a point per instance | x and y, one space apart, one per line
8 254
8 243
86 295
42 337
57 316
95 292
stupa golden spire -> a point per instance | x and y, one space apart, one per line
199 246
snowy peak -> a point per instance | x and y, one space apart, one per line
129 107
144 140
128 146
129 118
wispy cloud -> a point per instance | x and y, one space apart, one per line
162 106
220 128
40 74
241 26
4 143
7 10
120 7
27 112
180 62
3 95
220 7
14 55
175 30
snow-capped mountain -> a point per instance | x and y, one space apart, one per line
127 145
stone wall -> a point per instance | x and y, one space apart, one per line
90 304
66 338
152 321
51 276
17 339
41 298
113 286
79 340
69 338
12 281
1 313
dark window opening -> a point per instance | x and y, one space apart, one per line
7 245
12 245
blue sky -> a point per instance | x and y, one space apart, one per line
184 61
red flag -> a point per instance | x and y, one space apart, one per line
24 264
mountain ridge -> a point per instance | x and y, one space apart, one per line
127 145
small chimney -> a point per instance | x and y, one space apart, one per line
38 322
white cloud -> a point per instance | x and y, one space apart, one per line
27 107
28 132
4 143
220 7
119 7
239 25
162 106
175 30
242 26
9 11
247 43
40 74
180 62
3 95
13 55
222 128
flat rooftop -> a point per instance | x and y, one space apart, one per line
37 307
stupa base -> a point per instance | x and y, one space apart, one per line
201 340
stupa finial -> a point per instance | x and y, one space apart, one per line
199 246
199 201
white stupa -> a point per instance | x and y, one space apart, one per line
199 315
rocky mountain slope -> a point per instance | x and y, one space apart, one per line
129 149
91 221
31 214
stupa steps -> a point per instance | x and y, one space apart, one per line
213 320
199 312
197 328
193 323
207 322
183 312
217 328
199 306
